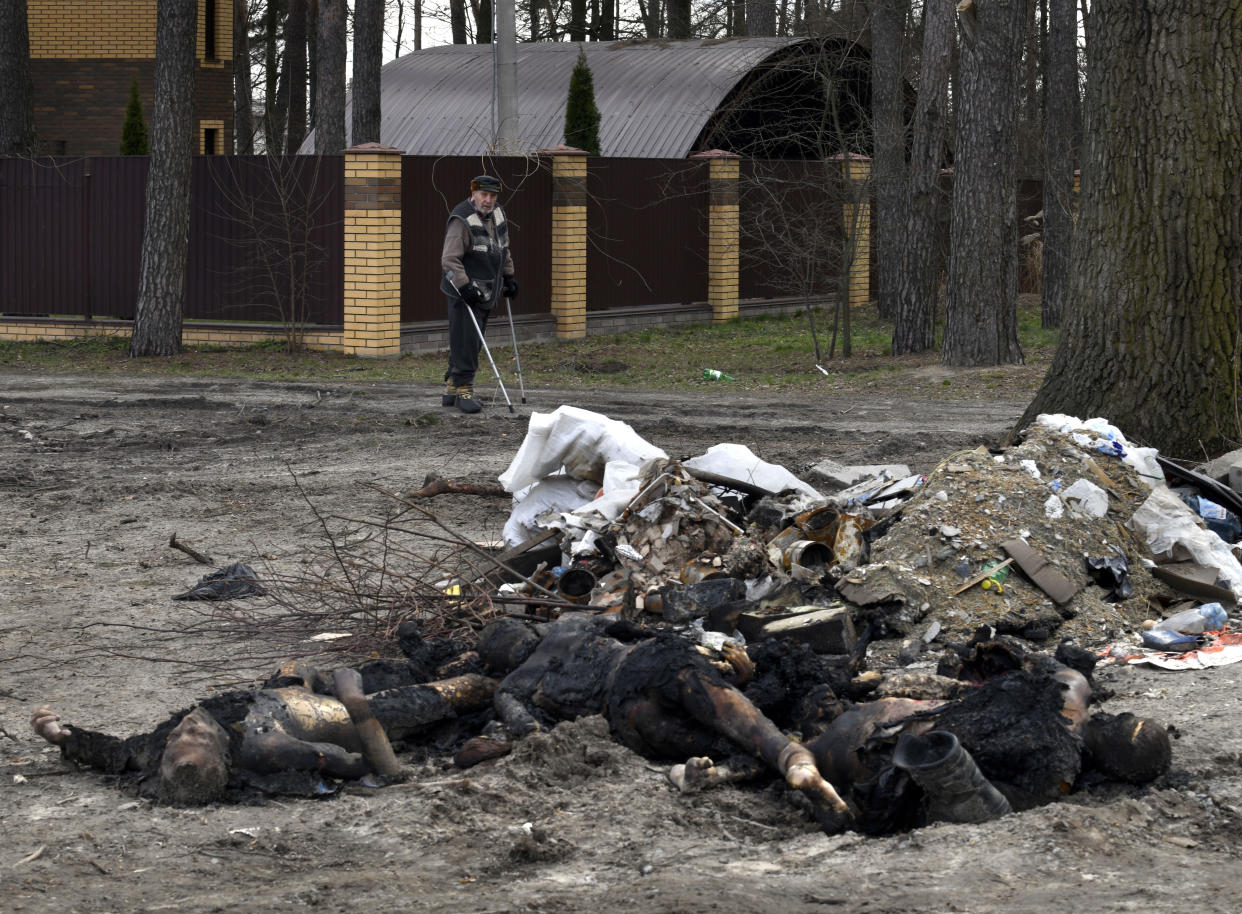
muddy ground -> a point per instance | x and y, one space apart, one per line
97 473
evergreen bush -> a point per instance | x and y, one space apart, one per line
135 141
581 115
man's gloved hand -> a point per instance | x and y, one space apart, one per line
510 286
471 294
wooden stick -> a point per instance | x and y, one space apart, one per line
437 485
982 576
197 556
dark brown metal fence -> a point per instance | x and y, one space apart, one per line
71 236
71 232
647 232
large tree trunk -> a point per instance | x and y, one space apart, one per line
482 10
166 231
273 119
17 133
760 17
888 165
918 279
330 94
295 71
1060 128
368 38
577 20
981 308
243 107
457 20
678 13
1151 335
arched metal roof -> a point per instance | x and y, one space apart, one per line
654 97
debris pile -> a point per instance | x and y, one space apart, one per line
1071 534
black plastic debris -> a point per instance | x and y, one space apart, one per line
1113 574
231 583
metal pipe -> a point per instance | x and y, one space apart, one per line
517 358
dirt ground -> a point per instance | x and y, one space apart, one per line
96 473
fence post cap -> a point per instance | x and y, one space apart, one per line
375 147
714 154
562 150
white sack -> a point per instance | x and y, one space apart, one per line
736 461
1172 532
556 493
578 440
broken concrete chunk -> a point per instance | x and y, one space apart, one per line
1050 579
828 630
1220 468
835 475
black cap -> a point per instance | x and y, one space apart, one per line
486 182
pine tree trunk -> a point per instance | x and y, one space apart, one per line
312 59
981 307
295 70
1151 332
17 133
918 279
1060 127
330 95
678 13
243 106
457 20
577 20
368 38
273 123
760 17
888 164
166 231
482 10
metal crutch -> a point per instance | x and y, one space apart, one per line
474 320
517 358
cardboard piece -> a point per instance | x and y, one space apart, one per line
1194 580
1047 577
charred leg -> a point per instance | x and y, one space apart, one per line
728 712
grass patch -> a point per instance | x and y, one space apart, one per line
767 353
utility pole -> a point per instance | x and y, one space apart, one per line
505 49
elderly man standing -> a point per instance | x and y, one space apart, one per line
477 268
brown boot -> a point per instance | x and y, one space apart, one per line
466 401
449 397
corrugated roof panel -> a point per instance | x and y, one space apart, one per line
654 97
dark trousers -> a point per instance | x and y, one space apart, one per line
464 342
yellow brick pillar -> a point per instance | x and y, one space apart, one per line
856 212
723 169
372 251
569 240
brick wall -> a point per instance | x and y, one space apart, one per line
84 53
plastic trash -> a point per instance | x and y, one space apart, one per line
1113 574
713 374
996 580
1087 497
1219 519
1163 639
1209 617
1171 532
231 583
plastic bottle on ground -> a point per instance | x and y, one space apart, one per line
1209 617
